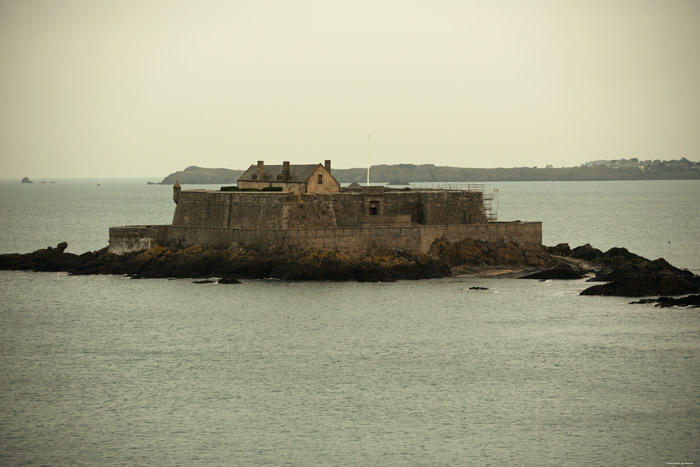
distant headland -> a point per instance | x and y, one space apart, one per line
401 174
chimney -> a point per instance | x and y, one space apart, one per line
327 165
285 171
176 191
261 170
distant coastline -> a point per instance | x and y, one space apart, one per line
401 174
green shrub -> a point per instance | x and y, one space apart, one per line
272 188
229 188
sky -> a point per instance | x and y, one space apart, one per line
143 88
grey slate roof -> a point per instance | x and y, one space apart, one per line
298 173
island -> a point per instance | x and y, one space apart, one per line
296 222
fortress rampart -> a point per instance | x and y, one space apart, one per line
355 242
271 210
353 222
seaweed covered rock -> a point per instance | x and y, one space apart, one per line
194 262
478 254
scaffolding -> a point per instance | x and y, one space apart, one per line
490 199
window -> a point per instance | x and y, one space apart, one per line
374 208
320 179
254 177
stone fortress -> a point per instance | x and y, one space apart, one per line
304 206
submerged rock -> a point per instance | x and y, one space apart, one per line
228 280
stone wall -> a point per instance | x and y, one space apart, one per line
354 242
274 210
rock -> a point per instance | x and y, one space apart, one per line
586 252
562 249
627 274
229 280
562 271
691 301
470 253
631 275
645 282
26 180
205 281
478 288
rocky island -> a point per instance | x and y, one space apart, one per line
295 222
620 272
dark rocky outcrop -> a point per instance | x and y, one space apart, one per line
228 280
586 252
562 249
625 273
286 263
193 262
562 271
629 275
26 180
474 255
691 301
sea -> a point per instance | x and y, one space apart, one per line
106 370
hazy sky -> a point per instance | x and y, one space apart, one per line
97 88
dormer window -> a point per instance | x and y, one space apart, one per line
320 179
254 177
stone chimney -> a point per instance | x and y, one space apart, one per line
176 191
285 171
327 165
261 170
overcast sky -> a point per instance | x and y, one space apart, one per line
92 88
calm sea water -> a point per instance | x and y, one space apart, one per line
104 370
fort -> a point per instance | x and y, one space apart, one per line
304 206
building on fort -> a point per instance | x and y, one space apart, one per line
309 209
291 178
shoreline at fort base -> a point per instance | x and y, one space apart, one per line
620 272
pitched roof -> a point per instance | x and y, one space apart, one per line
297 173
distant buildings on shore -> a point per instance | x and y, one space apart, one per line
635 163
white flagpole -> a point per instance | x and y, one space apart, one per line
368 160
